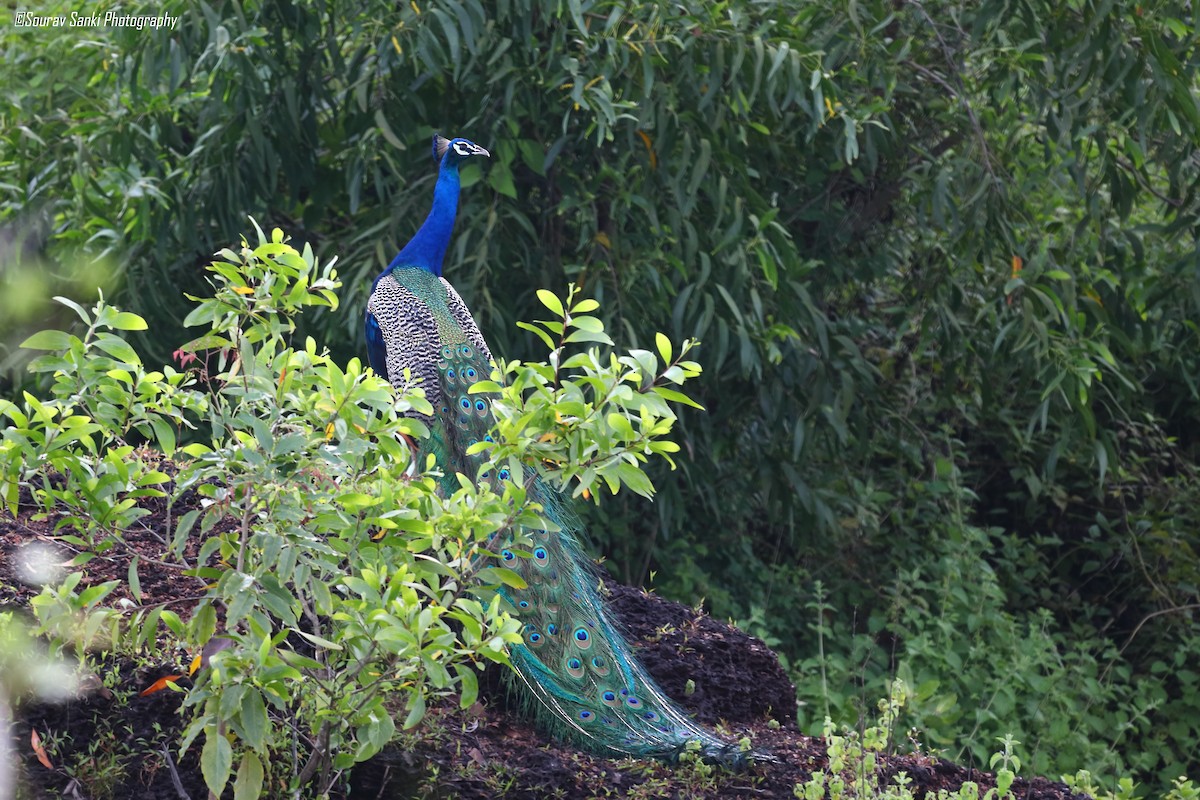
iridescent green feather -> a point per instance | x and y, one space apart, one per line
580 676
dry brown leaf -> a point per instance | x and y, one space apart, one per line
38 750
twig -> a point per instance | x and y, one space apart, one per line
318 755
1152 615
175 781
1174 202
960 93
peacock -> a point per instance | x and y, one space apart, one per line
577 673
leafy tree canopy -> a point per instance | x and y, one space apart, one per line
940 255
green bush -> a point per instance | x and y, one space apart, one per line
346 582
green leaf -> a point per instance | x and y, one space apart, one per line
318 640
664 346
216 761
117 347
386 130
588 336
173 622
676 397
204 623
249 782
94 594
164 434
78 309
551 301
533 155
502 575
128 321
586 323
135 585
700 167
635 479
299 661
621 425
576 9
416 712
1101 458
469 683
148 634
253 716
500 178
48 340
541 334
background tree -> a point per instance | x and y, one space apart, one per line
941 256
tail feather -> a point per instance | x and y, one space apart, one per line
582 679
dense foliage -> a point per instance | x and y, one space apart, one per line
940 255
344 583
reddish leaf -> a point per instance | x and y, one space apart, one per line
38 750
159 685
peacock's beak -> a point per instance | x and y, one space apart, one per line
483 152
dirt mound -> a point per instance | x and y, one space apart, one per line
111 742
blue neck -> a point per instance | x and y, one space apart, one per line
428 246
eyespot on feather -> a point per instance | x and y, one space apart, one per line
583 639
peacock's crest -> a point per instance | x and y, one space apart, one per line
440 145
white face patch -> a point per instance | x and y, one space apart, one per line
463 148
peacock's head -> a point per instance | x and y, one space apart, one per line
451 151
